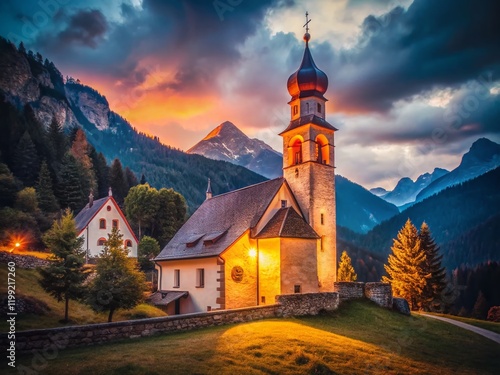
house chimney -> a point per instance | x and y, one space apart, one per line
209 190
91 199
110 192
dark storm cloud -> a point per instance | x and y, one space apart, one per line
85 27
405 52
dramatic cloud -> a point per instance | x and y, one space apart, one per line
405 52
85 27
412 82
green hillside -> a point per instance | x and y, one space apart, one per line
359 338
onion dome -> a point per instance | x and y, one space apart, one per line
308 80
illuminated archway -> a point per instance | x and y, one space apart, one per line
295 150
322 149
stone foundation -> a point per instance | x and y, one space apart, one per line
380 293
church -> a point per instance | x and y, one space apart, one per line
245 247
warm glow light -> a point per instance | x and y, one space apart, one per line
252 252
18 244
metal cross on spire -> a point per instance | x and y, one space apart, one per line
306 25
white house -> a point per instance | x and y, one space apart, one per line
95 221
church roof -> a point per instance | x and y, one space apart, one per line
220 221
287 223
309 119
87 213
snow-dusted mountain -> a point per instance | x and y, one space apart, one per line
407 190
483 156
227 142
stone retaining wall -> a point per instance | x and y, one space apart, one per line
69 337
380 293
349 290
306 304
23 261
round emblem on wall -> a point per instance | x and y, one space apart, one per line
237 273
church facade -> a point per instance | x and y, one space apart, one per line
244 247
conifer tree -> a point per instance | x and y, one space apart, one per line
57 141
64 277
102 173
70 190
436 283
143 179
118 283
130 178
118 182
405 266
8 186
44 190
26 163
80 149
346 270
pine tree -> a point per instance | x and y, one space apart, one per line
57 141
118 182
26 163
480 310
102 174
118 283
436 283
8 186
130 178
143 179
44 190
346 270
70 190
64 277
405 267
80 149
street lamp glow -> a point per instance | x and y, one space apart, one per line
252 252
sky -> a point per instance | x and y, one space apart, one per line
412 84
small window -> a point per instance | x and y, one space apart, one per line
283 203
102 224
115 224
319 108
108 208
200 278
296 172
296 288
322 219
295 109
128 243
307 108
263 299
177 278
101 241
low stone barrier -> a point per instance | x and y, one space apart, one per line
380 293
349 290
306 304
91 334
23 261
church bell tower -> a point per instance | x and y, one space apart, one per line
308 159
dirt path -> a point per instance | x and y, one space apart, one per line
481 331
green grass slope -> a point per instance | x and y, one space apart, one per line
27 285
359 338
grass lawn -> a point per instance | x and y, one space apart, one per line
359 338
492 326
27 285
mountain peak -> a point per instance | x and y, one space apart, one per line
482 150
227 128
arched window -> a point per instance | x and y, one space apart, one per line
115 224
319 108
322 149
128 243
297 152
102 223
101 241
